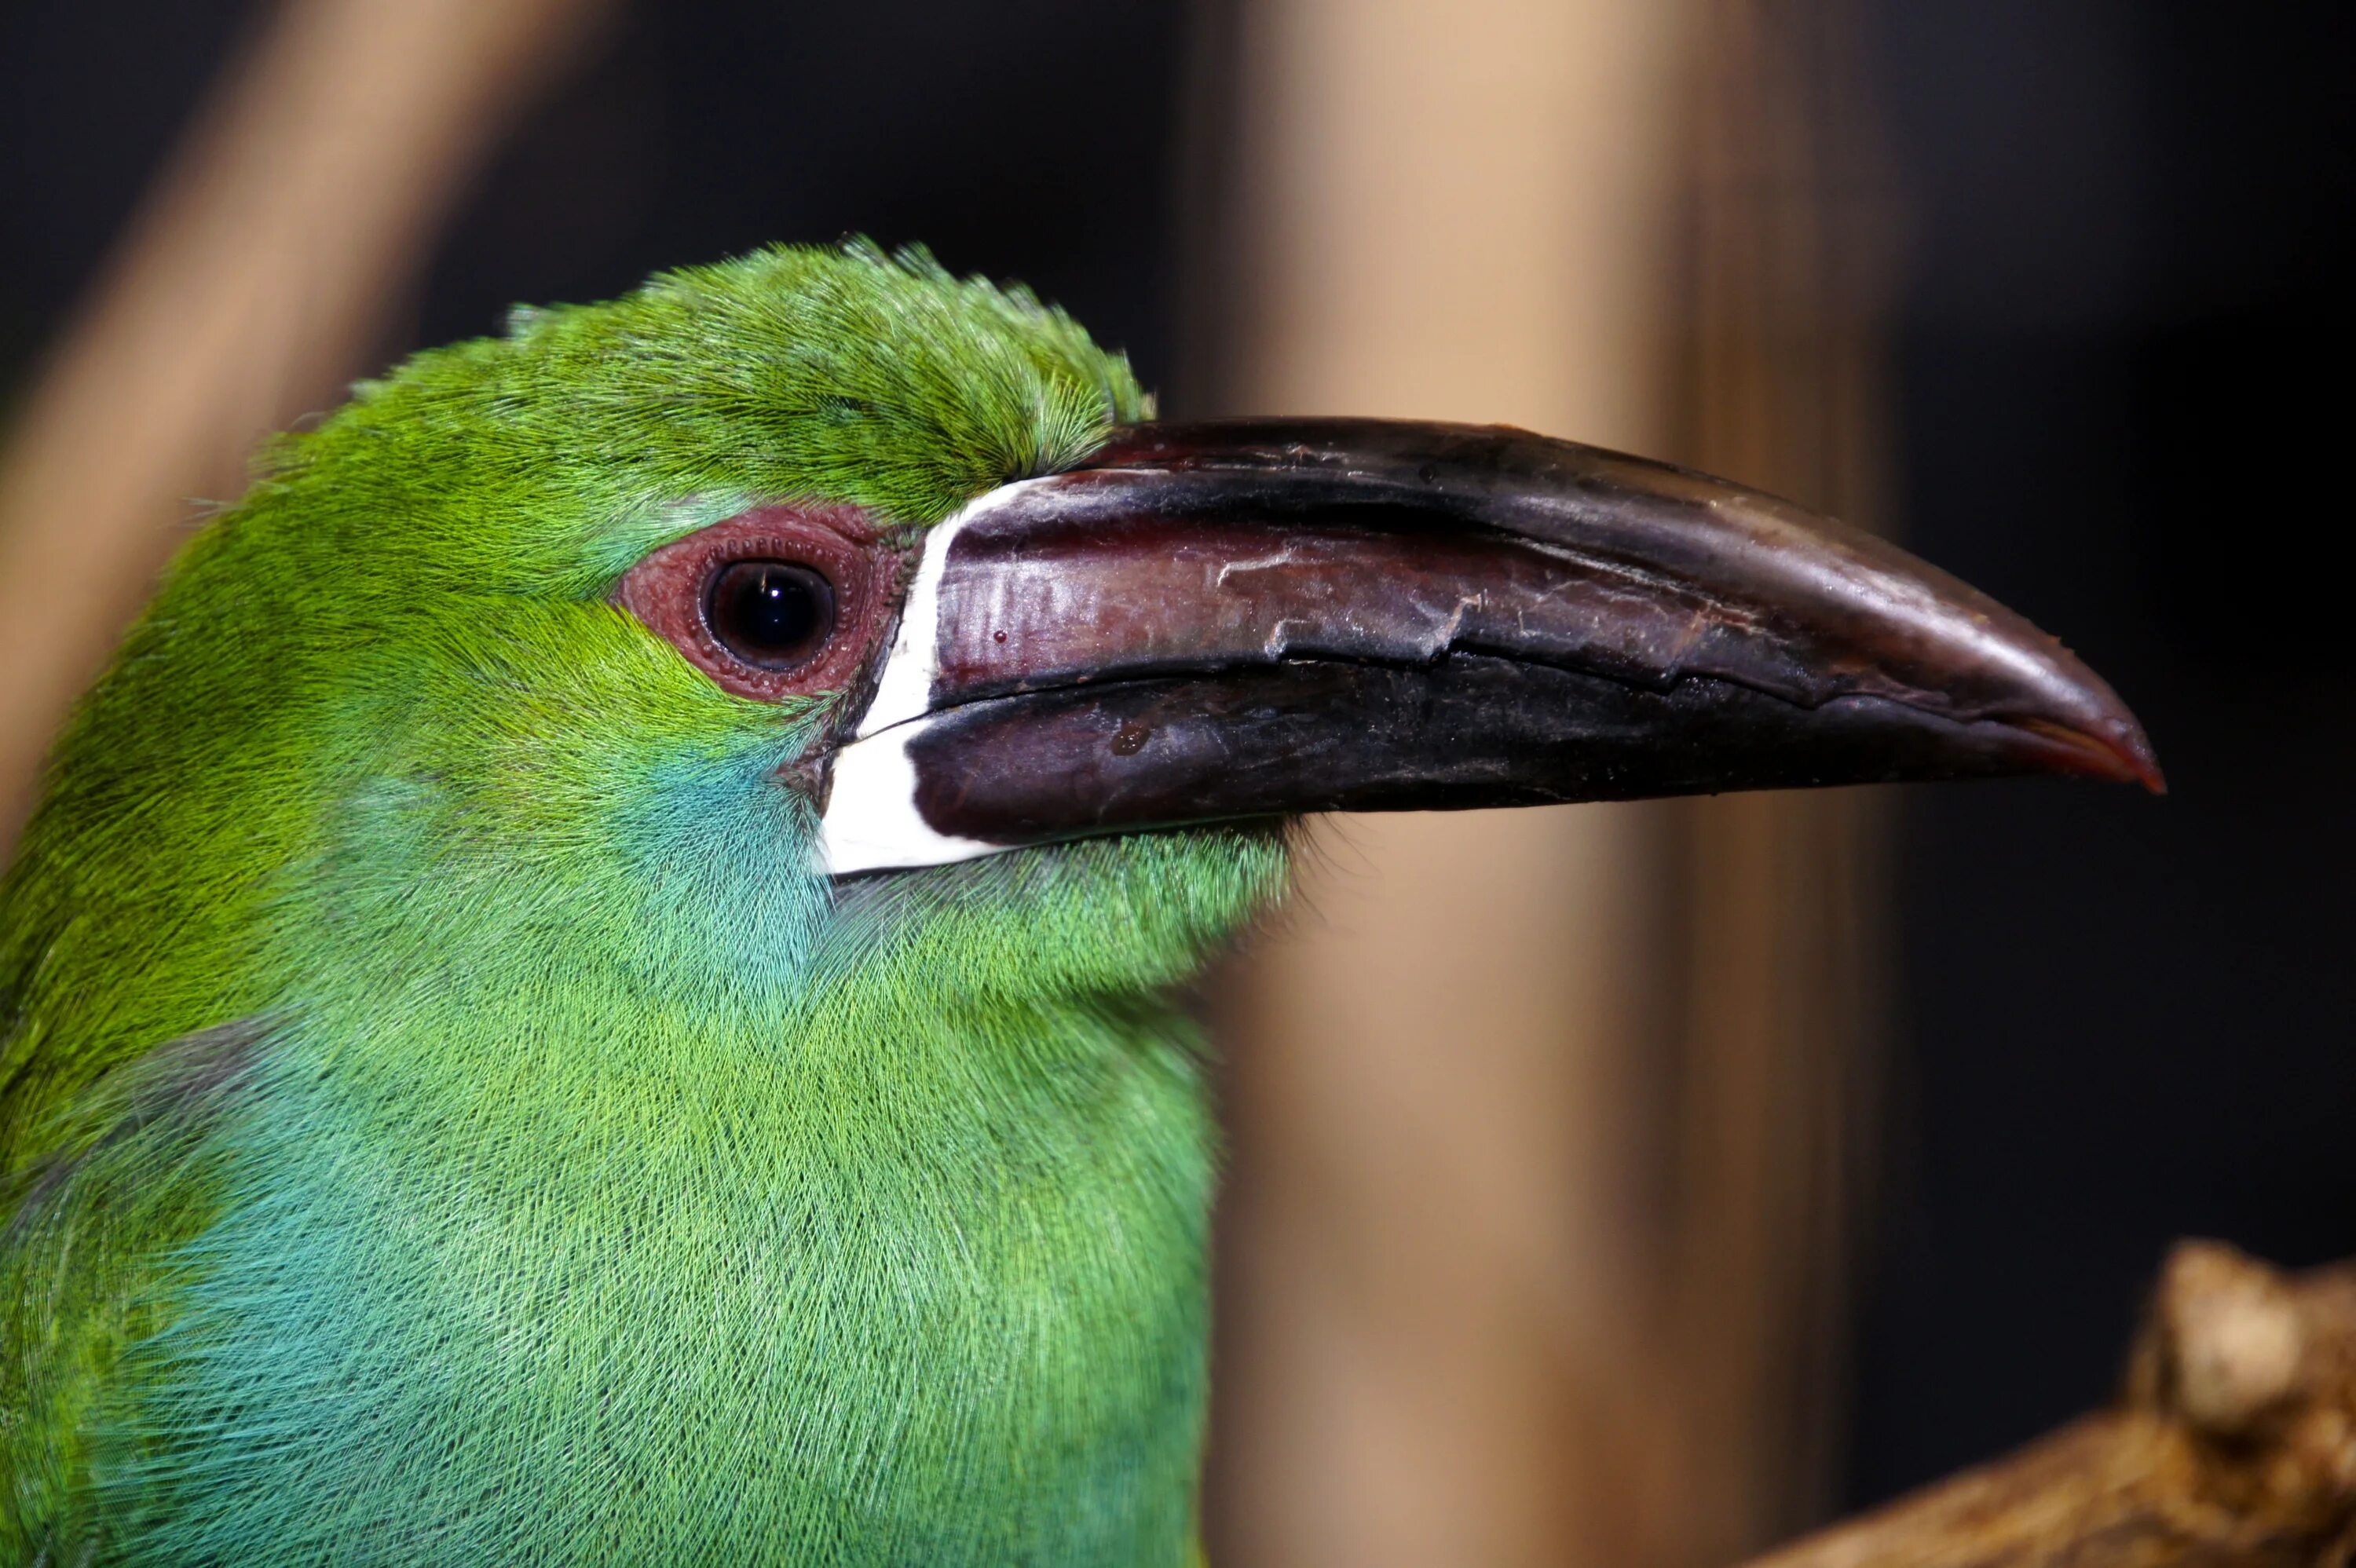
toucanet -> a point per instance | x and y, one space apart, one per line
594 984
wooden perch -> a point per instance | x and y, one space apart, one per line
2233 1443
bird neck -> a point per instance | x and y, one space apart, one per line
846 1264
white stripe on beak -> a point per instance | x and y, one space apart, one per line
871 822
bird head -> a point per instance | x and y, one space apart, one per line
818 602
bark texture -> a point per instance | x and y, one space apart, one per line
2234 1442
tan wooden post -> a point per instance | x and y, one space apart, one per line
262 269
1456 211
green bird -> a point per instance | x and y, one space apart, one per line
594 984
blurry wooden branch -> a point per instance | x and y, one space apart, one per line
2233 1443
259 274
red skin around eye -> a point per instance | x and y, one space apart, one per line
667 591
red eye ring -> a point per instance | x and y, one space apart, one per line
673 591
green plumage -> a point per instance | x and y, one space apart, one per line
446 1120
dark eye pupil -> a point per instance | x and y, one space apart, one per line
769 612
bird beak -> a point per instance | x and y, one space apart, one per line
1256 618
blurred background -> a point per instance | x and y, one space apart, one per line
1630 1185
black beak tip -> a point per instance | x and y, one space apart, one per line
2096 734
2110 748
2133 748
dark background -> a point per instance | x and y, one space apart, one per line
1029 138
2120 347
2120 409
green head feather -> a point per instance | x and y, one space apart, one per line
449 1120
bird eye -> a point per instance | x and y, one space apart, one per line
772 613
784 601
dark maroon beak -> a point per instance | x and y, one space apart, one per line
1263 617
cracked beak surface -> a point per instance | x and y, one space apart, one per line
1254 618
